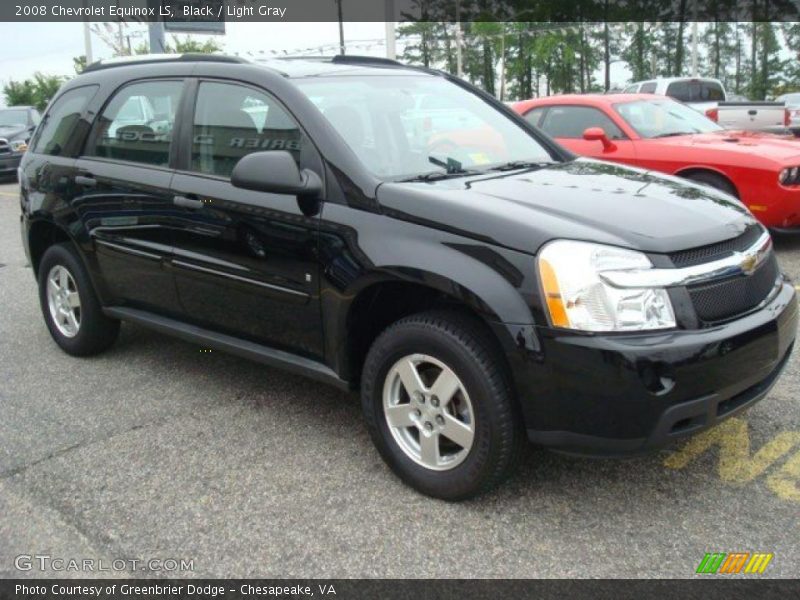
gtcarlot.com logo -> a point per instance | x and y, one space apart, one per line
734 562
45 562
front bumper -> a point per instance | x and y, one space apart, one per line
9 163
625 394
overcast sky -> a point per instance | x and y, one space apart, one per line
50 47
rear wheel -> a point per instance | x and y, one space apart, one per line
70 307
714 180
439 406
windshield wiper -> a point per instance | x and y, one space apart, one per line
673 134
521 164
439 175
452 168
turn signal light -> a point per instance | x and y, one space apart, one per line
552 294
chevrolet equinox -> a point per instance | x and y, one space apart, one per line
397 231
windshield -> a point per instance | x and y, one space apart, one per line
402 126
653 118
13 118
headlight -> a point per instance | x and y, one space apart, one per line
789 176
577 298
18 145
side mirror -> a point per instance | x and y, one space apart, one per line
596 134
274 171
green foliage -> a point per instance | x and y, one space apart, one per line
190 45
19 93
516 60
33 92
186 45
791 37
79 63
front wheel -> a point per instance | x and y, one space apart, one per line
714 180
439 405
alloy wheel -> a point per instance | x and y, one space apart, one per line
428 412
64 301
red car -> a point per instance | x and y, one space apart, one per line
760 169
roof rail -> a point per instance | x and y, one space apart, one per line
347 59
145 59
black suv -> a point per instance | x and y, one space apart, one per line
16 126
397 231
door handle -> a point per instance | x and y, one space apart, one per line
85 180
187 202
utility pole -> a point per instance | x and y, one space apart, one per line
155 30
503 59
694 38
341 27
87 43
606 56
459 59
87 40
120 39
391 40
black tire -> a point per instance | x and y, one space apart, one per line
461 343
96 332
715 181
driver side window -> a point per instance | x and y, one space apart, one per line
137 124
572 121
232 121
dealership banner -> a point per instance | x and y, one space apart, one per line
406 589
209 11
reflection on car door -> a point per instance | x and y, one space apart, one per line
245 262
126 203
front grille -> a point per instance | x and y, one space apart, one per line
712 252
5 148
729 298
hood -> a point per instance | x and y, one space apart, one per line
784 149
10 132
583 200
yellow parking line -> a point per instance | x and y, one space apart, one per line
9 195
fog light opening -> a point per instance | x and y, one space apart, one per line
657 378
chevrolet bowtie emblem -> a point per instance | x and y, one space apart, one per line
749 263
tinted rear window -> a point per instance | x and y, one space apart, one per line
696 91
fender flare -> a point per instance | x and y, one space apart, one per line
486 290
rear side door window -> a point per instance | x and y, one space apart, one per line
137 124
231 121
61 121
572 121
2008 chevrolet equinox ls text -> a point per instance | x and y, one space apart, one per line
398 231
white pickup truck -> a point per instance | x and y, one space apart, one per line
708 96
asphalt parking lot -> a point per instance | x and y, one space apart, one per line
156 450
